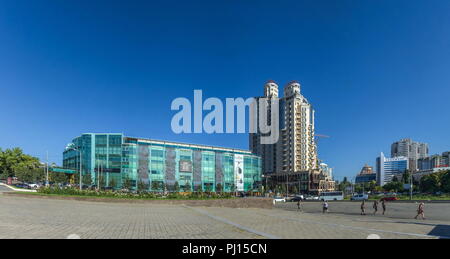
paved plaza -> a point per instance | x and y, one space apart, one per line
48 218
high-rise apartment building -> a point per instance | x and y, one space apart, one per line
293 158
410 149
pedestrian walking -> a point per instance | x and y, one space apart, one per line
383 206
375 207
421 211
325 207
363 207
299 205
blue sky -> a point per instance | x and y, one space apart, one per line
376 71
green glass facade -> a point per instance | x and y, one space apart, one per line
160 165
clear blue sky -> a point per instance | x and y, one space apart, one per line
376 71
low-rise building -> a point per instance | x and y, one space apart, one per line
366 175
161 165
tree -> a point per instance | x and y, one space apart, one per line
142 186
187 186
430 183
393 186
445 181
112 182
395 179
176 187
58 177
13 160
26 174
406 177
86 179
219 187
126 183
209 188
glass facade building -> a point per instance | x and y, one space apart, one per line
387 168
160 165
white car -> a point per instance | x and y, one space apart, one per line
34 185
278 199
360 197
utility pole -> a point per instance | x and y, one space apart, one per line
411 187
46 169
81 182
287 185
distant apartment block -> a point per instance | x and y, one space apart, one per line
410 149
433 164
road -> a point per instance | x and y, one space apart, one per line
394 210
47 218
4 189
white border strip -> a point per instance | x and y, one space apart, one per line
17 190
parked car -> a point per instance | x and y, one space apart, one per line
34 185
360 197
279 199
297 198
23 186
312 198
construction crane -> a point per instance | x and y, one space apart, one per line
317 136
316 139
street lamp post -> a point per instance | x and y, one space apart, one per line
79 151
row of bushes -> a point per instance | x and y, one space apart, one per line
132 195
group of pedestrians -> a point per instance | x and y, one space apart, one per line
375 204
420 209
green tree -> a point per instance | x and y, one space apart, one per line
142 186
445 181
393 186
430 183
126 183
13 160
58 177
395 179
112 183
219 187
86 179
187 186
406 177
26 174
176 187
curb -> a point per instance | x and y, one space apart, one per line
17 190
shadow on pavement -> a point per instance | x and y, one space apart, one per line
442 231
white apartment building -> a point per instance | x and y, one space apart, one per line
294 156
412 150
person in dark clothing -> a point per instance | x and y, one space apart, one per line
375 207
383 206
363 207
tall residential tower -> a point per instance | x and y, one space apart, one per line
293 158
